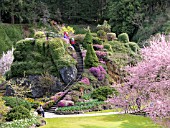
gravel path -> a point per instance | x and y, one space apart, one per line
52 115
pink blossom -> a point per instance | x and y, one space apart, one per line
150 78
85 80
101 54
6 61
65 103
102 62
98 72
97 46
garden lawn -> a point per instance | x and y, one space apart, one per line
110 121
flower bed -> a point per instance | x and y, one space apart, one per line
80 107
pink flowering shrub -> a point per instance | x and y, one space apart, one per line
85 80
101 54
97 46
57 96
84 54
102 62
150 78
6 61
98 72
65 103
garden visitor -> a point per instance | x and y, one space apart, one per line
138 102
72 42
41 110
66 35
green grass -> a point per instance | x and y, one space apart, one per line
110 121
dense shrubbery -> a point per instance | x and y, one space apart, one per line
101 34
18 112
39 56
97 40
102 93
3 110
14 101
108 47
10 34
123 38
23 123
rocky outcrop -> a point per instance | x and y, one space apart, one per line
68 74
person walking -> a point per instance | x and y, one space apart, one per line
42 111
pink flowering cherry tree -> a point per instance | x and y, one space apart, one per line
151 77
6 61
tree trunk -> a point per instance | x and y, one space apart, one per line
0 16
12 19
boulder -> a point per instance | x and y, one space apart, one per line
37 92
9 91
68 74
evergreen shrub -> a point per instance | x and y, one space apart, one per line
134 47
108 47
91 59
105 27
101 34
87 39
97 40
18 112
123 37
39 34
102 93
14 101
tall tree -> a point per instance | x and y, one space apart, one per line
122 15
13 8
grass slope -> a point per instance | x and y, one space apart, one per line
110 121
